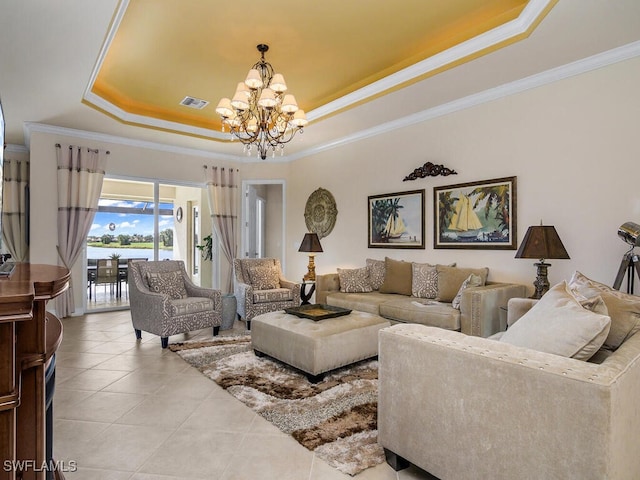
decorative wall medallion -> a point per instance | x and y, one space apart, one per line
179 214
320 212
429 170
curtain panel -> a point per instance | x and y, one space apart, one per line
80 174
14 208
222 193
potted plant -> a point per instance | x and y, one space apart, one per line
206 249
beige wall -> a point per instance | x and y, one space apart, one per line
572 145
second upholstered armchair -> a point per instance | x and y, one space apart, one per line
260 287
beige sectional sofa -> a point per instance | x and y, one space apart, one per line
478 312
486 408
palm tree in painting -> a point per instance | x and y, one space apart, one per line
497 199
381 212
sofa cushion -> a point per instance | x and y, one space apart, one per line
472 280
264 277
363 302
624 309
558 324
354 280
450 280
397 277
435 314
273 295
168 283
376 272
189 306
424 280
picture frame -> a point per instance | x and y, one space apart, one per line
396 220
476 215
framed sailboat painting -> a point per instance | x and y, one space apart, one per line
476 215
396 220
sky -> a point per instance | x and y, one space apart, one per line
127 224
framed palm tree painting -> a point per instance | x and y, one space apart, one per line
476 215
396 220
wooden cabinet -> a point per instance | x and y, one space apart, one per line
29 337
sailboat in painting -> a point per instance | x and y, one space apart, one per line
394 228
465 222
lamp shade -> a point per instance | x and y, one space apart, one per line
630 233
310 243
542 241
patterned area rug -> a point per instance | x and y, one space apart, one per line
335 418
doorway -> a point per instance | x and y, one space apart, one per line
142 219
263 218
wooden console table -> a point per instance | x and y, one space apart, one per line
29 337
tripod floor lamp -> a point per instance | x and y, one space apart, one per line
630 233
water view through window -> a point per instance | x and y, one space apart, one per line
125 228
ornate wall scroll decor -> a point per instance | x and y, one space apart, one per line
320 212
429 170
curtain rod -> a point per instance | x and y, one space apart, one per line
88 149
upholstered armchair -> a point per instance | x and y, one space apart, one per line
260 287
165 302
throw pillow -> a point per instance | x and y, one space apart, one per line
264 277
624 309
424 280
450 280
472 280
376 272
558 324
167 283
354 280
397 277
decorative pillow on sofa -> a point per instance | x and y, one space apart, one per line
376 272
168 283
397 277
264 277
558 324
624 309
424 280
354 280
450 280
472 280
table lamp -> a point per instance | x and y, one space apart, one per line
542 241
311 244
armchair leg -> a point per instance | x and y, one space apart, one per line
216 331
164 341
138 333
248 324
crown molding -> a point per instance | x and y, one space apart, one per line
578 67
475 45
13 148
594 62
30 127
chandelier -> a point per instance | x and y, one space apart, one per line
260 114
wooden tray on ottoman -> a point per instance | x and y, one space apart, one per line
317 311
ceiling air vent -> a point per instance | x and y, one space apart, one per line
194 102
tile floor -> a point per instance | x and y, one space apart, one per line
129 410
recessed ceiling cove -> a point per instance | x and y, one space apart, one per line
334 54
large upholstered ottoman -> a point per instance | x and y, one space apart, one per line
315 347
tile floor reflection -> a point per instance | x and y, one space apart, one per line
130 410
